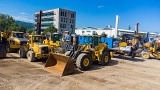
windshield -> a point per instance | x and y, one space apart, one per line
37 39
18 35
56 37
87 39
96 40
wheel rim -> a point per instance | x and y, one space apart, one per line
29 56
19 52
86 62
106 59
145 55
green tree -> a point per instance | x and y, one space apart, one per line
50 29
30 31
7 23
22 29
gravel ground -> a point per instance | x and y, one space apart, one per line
120 74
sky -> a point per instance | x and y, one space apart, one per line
92 13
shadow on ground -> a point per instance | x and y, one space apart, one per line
10 58
98 66
129 58
41 61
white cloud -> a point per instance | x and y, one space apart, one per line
22 13
23 18
100 6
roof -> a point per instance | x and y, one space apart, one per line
51 10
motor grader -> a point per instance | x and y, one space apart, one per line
81 56
34 49
151 50
15 41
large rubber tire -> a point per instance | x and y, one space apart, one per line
105 58
22 52
8 49
67 53
83 62
145 55
31 56
158 56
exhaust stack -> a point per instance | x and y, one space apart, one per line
116 26
137 29
39 15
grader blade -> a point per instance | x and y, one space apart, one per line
60 64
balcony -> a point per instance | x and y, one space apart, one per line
51 22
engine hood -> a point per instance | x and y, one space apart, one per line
41 45
21 39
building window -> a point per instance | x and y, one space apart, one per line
71 26
83 31
70 20
64 25
61 19
94 32
72 15
64 20
65 14
61 13
60 25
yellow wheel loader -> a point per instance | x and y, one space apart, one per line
81 56
34 49
15 41
4 36
151 50
54 42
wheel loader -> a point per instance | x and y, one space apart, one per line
34 49
57 44
4 36
129 45
81 56
151 50
54 42
15 41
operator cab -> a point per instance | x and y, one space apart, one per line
56 37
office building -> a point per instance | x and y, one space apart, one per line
62 19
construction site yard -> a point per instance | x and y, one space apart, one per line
120 74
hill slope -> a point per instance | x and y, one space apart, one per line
27 25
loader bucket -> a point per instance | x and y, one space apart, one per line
60 64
